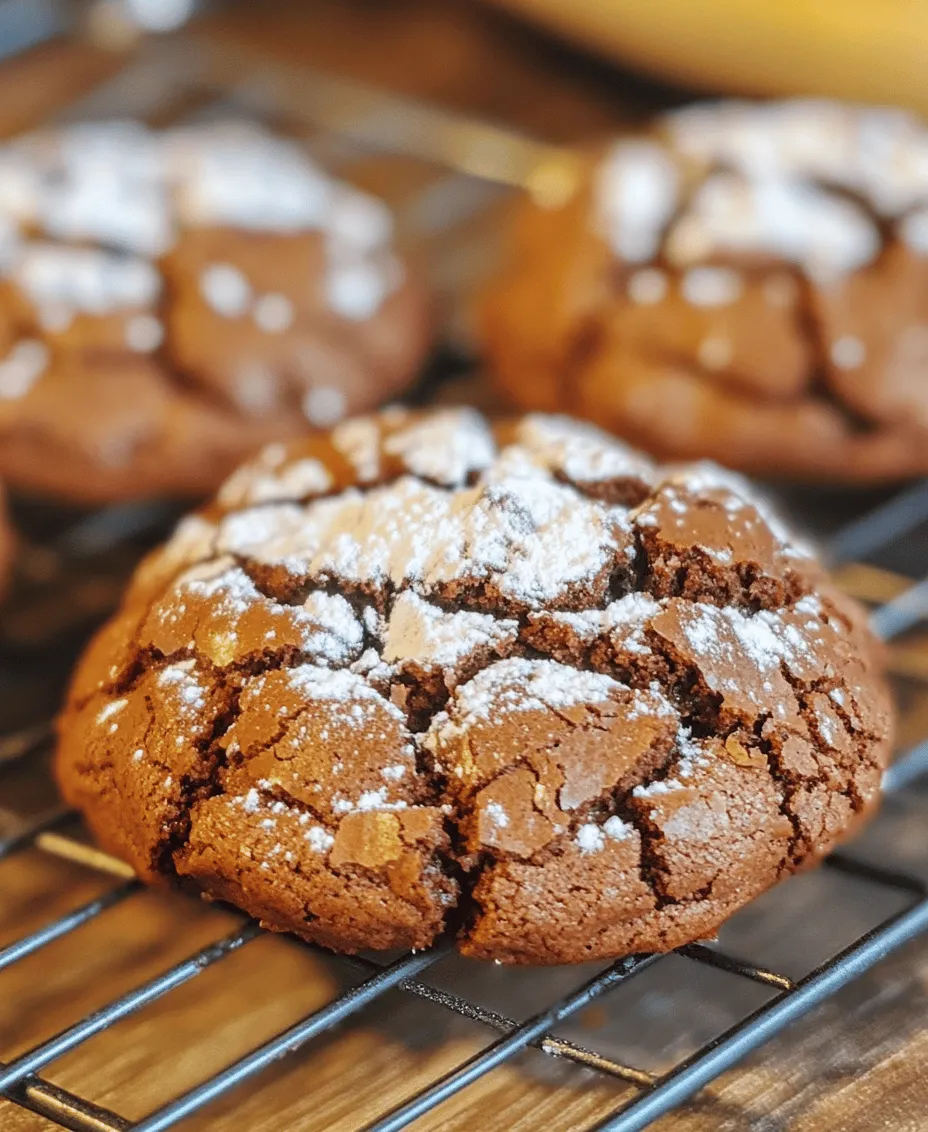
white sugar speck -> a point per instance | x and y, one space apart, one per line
635 194
655 789
616 829
647 286
371 799
497 814
110 709
273 313
320 840
324 405
21 368
590 838
226 289
848 352
144 333
711 286
355 290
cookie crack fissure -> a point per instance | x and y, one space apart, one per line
196 786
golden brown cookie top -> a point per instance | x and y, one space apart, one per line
406 660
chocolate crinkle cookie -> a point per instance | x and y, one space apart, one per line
513 682
745 282
172 301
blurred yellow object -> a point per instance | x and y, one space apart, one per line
871 50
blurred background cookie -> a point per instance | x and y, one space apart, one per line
747 282
173 300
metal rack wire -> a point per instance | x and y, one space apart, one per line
789 998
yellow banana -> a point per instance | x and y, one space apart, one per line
869 50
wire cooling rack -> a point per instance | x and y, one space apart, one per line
878 552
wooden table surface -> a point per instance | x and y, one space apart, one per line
857 1064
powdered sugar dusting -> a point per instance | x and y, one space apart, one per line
226 289
183 683
618 830
775 179
656 789
271 478
273 313
111 709
144 333
580 452
336 632
320 840
880 153
740 649
711 286
324 405
338 686
497 814
63 281
325 625
134 190
528 536
819 231
22 367
445 447
707 478
635 194
424 633
359 441
590 838
623 621
518 685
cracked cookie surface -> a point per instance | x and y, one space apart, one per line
514 681
743 282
